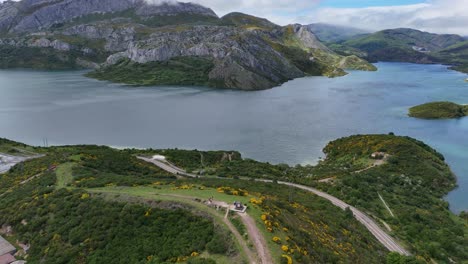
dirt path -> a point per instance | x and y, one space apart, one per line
257 239
241 240
30 178
327 180
386 205
376 163
21 183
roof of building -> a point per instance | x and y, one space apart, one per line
7 259
5 247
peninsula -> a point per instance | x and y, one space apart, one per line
139 42
99 204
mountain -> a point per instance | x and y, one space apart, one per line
407 45
334 33
133 42
457 55
33 15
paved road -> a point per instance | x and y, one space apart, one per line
168 167
368 222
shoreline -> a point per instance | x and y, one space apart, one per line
454 211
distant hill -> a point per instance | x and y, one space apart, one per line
334 33
456 54
404 38
407 45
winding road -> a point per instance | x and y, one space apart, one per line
386 240
168 167
389 242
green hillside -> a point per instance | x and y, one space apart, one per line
439 110
408 45
90 204
335 33
412 178
457 55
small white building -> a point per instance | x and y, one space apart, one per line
159 157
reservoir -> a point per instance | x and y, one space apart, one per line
288 124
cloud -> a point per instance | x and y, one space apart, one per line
438 16
279 11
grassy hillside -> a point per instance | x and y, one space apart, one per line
412 180
403 192
456 55
404 38
104 205
439 110
176 71
335 33
247 21
390 45
36 58
408 45
73 226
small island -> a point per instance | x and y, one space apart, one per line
439 110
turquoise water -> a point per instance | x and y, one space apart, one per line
291 123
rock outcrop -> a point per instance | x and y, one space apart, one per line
33 15
308 38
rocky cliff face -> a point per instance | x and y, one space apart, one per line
8 14
33 15
246 52
308 38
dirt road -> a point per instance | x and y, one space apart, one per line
257 239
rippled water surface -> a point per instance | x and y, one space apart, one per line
291 123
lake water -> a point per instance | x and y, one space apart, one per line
288 124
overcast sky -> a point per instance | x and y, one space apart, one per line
438 16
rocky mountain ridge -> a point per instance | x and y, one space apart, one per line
34 15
